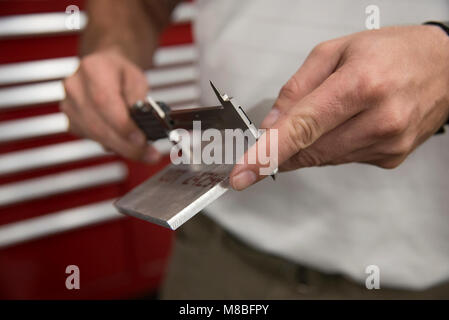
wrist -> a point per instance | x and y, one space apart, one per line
439 34
444 28
124 26
138 51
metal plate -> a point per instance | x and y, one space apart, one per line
176 194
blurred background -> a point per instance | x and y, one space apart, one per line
57 190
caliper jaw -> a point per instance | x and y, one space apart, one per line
178 192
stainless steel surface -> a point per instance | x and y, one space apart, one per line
178 67
178 192
55 23
62 182
53 91
31 229
47 156
189 92
184 12
40 126
31 94
59 68
37 24
48 69
33 127
170 76
179 54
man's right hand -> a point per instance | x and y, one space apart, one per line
97 99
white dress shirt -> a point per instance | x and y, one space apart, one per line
336 219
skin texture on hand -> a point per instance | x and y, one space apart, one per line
97 100
119 40
372 97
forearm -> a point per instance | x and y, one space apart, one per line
131 26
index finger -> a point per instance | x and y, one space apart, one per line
331 104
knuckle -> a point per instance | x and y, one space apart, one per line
401 148
96 130
290 89
100 99
137 91
106 148
303 131
71 128
75 130
394 123
135 72
96 133
123 124
370 86
70 86
69 111
64 107
132 152
323 48
309 158
86 62
342 160
389 164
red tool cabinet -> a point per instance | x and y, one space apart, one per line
56 190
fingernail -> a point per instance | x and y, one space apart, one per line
243 180
152 156
136 138
271 118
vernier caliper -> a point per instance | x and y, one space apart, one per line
178 192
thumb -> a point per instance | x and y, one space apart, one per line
328 106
